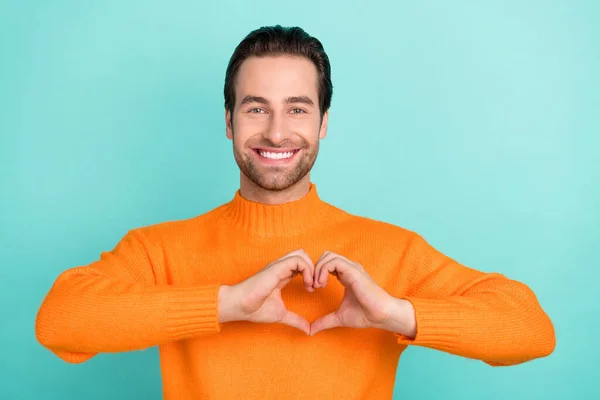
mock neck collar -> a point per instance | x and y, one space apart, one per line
294 217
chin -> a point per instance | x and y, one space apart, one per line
276 184
274 180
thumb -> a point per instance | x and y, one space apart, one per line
296 321
325 322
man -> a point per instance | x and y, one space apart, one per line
217 292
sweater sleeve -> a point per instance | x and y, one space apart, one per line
114 304
466 312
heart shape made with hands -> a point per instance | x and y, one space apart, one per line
364 304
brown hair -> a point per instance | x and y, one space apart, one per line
278 40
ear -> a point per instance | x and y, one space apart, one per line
228 125
323 130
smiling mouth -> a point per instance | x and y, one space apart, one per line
276 155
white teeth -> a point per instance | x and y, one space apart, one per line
276 156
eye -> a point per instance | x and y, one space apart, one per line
256 111
298 111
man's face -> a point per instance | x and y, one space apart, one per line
276 123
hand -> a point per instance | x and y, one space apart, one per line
258 298
365 304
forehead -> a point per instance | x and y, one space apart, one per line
277 77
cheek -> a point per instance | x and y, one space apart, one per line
249 126
305 125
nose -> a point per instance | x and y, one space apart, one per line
276 131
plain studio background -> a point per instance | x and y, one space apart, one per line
473 123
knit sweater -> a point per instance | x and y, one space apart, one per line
159 287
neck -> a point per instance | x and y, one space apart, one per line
251 191
280 219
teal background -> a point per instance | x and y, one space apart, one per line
473 123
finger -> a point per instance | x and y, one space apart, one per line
308 276
325 322
305 256
345 271
328 265
318 268
295 253
288 266
298 252
310 271
283 283
296 321
325 257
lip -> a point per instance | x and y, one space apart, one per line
272 150
269 161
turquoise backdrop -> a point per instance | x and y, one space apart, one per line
475 123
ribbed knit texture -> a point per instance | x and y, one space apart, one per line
159 286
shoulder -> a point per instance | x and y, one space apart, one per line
179 228
372 227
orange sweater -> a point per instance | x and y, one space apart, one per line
159 286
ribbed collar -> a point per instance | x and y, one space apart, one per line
280 219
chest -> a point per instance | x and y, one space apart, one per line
219 258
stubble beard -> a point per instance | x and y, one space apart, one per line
276 178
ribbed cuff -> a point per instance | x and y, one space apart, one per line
193 312
437 325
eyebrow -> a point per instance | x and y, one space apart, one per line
288 100
300 99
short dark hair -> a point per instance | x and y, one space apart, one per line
278 40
